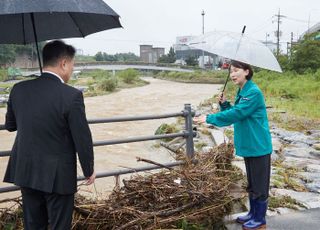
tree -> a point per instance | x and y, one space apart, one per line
192 61
7 54
171 55
306 54
99 56
168 58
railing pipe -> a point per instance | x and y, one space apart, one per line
189 130
109 174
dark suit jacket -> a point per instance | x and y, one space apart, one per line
51 125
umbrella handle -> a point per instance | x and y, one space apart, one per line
243 29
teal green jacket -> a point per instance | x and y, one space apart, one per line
249 115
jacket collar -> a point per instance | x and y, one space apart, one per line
245 88
50 76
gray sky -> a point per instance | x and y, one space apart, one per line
159 22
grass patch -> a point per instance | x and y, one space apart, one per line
200 145
208 77
284 202
166 129
287 177
101 82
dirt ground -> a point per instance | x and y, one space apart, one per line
159 97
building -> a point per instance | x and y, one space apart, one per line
149 54
183 52
271 45
313 29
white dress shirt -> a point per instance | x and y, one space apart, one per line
54 75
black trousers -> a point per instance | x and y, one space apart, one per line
258 176
41 209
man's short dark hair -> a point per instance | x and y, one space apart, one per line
243 66
55 50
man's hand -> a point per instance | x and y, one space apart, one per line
90 180
199 120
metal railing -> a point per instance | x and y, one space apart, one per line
188 134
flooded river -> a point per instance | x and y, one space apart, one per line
158 97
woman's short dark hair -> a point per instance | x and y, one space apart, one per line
243 66
55 50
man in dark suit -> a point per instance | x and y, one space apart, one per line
49 117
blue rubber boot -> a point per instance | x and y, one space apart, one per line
243 219
259 218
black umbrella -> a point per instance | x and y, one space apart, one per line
27 21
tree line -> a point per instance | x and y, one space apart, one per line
8 53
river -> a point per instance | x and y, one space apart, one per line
158 97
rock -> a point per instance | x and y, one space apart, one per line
293 137
314 187
218 136
316 146
276 145
298 152
309 199
207 149
315 154
313 168
275 157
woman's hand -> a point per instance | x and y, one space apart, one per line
199 120
221 98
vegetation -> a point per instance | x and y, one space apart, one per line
214 77
119 57
99 82
166 129
304 56
84 58
8 53
285 202
3 74
129 76
192 61
168 58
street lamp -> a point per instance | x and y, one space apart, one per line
202 13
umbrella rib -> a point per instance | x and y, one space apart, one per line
23 29
74 21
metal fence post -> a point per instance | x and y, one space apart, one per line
189 138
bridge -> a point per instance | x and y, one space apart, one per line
116 67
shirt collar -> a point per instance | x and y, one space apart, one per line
62 81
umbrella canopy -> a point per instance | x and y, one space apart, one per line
27 21
237 46
53 19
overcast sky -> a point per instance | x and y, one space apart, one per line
159 22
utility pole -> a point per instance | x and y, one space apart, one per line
267 35
278 32
291 42
202 13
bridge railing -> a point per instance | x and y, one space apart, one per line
187 133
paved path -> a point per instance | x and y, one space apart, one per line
300 220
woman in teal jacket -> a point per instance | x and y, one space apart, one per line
252 139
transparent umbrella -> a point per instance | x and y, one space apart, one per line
238 47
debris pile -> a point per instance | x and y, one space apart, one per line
196 192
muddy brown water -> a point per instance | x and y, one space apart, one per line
158 97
